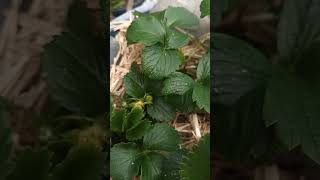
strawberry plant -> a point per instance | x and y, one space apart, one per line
143 144
260 100
72 136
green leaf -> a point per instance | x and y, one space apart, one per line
122 121
151 166
124 161
159 15
180 17
117 119
161 138
75 71
197 164
237 67
6 143
182 103
84 162
147 30
158 62
134 82
178 84
171 165
201 95
133 118
160 110
297 27
291 105
31 165
205 8
203 69
138 131
241 125
127 159
176 39
153 86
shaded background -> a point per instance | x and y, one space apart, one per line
254 21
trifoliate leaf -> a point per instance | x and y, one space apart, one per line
175 40
124 161
203 69
182 103
180 17
161 138
237 69
197 164
117 120
177 84
147 30
84 162
291 105
158 62
138 131
6 143
160 110
205 8
31 165
133 118
201 95
134 82
127 159
151 166
75 72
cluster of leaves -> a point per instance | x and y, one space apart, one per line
73 139
150 150
255 97
143 144
161 59
73 134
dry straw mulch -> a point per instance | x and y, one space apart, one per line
22 37
191 127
